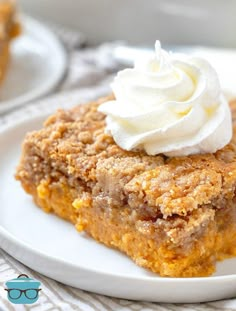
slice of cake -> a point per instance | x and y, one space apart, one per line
9 28
173 214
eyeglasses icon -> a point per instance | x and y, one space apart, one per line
30 293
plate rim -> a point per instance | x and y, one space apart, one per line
42 109
29 22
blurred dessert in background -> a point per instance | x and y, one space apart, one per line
9 29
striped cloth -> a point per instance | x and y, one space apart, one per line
56 296
87 67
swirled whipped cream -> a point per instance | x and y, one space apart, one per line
169 104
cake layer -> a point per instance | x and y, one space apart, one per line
147 243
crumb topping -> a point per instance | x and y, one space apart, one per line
73 145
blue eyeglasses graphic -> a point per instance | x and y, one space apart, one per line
30 293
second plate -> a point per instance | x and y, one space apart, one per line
38 62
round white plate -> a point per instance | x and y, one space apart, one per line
38 62
53 247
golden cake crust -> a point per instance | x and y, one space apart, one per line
75 142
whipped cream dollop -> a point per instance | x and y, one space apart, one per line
169 104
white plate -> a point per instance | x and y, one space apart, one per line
37 64
52 246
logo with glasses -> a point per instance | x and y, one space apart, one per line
23 290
